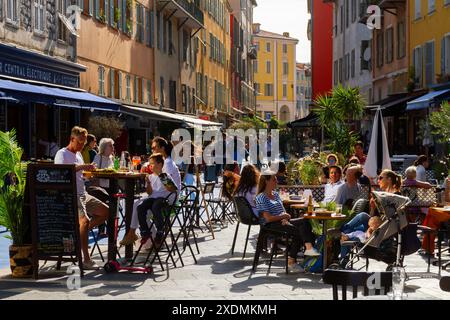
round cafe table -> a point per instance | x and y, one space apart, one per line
130 179
324 220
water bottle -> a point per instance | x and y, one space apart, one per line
122 163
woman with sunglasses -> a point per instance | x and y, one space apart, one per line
273 215
389 182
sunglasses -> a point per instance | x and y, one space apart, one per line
380 178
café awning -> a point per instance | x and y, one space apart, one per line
188 121
311 120
394 104
430 99
38 92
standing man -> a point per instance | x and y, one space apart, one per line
91 211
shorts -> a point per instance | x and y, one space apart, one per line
87 205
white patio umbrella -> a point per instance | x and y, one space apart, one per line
378 156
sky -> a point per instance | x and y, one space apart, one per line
286 16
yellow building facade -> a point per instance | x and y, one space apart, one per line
275 73
213 61
430 41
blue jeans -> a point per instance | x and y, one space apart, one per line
359 223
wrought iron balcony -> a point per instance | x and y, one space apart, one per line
188 12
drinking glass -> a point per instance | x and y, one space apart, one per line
338 209
398 282
136 162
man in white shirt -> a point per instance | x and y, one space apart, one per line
333 185
351 190
91 211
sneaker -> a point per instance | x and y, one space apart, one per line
90 265
312 253
295 268
128 239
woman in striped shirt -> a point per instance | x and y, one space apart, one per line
274 216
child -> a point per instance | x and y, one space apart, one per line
359 236
157 191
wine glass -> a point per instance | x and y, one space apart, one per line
136 162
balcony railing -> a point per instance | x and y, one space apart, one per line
192 9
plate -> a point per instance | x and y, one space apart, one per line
323 213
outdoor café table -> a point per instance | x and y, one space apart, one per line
324 220
130 179
298 207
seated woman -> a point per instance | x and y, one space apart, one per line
410 181
248 185
274 216
104 159
388 181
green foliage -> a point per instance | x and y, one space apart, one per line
309 170
249 123
440 122
116 15
12 194
105 127
334 112
441 168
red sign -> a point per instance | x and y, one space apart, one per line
204 117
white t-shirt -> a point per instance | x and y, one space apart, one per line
172 170
103 162
159 191
331 191
421 174
64 156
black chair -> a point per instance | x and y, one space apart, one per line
245 216
355 279
444 284
278 238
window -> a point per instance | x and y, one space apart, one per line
284 90
336 72
431 6
268 89
401 40
285 50
142 89
139 23
353 63
111 15
185 45
389 45
341 62
119 85
429 63
161 91
101 81
445 55
62 32
128 87
353 11
39 15
135 89
285 68
111 83
12 11
342 19
257 87
380 49
118 14
347 13
149 27
158 30
268 70
417 9
173 94
268 46
347 66
365 57
418 65
169 29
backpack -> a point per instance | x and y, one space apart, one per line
315 264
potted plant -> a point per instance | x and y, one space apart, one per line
12 194
310 170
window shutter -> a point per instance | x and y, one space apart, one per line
152 29
119 84
111 83
124 15
111 13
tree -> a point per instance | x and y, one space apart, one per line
440 121
335 111
105 127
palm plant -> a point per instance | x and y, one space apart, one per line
12 188
349 102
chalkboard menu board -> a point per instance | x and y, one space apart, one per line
54 213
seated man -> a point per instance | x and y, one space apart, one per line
331 188
91 211
351 190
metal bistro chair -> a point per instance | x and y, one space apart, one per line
245 216
211 202
355 279
167 213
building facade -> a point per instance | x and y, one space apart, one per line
39 75
303 90
243 99
275 75
213 83
352 40
320 33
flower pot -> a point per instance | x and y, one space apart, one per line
21 261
